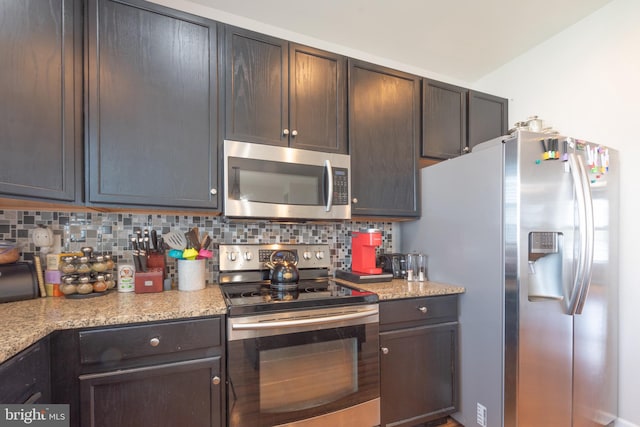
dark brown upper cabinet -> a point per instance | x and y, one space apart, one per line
283 93
41 99
384 133
444 120
455 119
488 117
152 95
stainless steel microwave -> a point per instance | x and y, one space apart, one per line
266 181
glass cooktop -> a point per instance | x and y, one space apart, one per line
254 298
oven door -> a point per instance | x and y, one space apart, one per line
313 367
281 182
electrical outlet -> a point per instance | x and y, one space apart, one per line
481 415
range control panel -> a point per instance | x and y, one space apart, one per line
254 257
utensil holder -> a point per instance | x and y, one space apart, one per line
191 274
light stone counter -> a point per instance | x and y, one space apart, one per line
25 322
398 288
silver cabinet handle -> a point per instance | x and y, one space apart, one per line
154 342
285 132
213 191
422 309
465 150
294 132
215 380
384 350
354 200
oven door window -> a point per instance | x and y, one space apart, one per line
286 378
291 368
282 183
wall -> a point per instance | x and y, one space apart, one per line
110 232
586 83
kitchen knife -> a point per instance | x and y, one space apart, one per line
135 253
154 240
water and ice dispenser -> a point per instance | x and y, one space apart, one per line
545 266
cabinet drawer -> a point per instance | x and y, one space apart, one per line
128 342
419 310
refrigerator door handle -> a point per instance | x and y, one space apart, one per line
590 236
582 273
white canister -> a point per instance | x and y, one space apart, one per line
126 278
191 274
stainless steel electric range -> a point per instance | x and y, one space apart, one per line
304 355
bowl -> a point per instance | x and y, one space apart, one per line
9 252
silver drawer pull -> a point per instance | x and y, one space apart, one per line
422 309
384 350
154 342
215 380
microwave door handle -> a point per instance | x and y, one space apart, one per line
329 171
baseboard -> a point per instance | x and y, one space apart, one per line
624 423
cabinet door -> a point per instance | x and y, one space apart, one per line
384 129
257 93
25 377
152 119
487 117
40 98
173 394
317 99
444 120
418 374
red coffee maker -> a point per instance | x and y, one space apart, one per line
363 251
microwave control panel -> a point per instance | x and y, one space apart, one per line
340 186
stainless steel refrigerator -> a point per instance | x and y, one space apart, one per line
532 235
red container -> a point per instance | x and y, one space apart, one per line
149 281
363 251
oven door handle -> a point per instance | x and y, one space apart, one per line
303 322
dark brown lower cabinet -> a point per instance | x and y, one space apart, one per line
172 394
25 377
418 360
149 374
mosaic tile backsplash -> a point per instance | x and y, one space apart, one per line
110 233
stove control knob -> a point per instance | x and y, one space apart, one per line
306 255
320 255
231 256
248 256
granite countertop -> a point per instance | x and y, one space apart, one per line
399 288
28 321
25 322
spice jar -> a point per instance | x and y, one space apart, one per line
99 264
68 288
67 266
99 285
85 287
83 265
109 260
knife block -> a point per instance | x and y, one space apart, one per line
157 260
148 281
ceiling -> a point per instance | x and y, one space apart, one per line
463 39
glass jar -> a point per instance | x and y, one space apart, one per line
82 265
67 266
98 264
